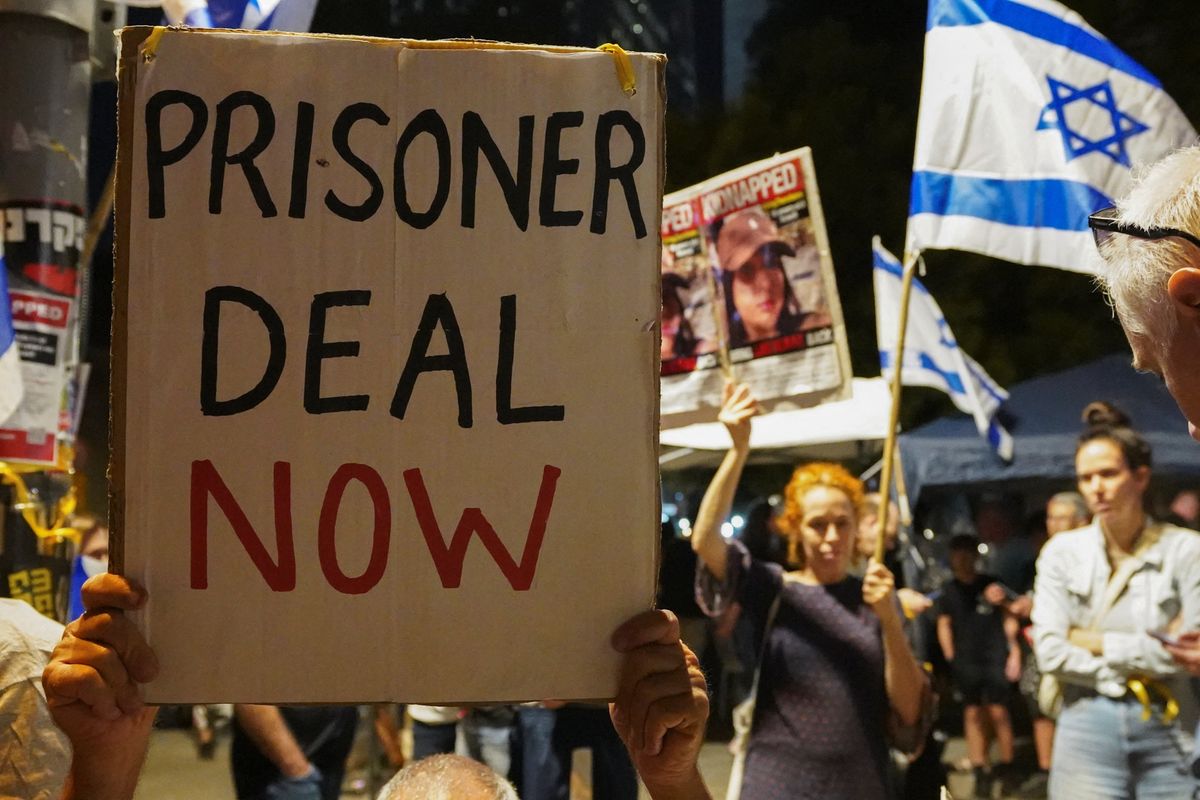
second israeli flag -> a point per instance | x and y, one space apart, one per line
1030 120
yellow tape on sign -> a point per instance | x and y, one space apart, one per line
150 46
624 67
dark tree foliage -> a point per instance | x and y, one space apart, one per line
542 21
844 79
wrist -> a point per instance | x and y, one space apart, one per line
888 616
109 769
294 769
690 787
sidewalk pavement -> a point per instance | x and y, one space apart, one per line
173 771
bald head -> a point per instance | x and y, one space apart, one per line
447 777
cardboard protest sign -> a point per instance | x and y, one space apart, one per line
747 277
385 378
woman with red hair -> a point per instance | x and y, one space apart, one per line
835 667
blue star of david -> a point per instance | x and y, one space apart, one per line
1075 143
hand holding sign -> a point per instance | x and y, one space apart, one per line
92 690
662 706
91 686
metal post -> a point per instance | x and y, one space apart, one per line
46 69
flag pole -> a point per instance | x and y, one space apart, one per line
906 518
889 444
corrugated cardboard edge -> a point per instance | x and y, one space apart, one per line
416 44
660 63
131 39
127 64
817 214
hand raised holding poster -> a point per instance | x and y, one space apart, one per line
373 335
774 304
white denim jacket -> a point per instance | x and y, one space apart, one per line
1072 574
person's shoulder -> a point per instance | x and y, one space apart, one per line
23 623
1181 541
1071 542
769 571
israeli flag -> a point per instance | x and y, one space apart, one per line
12 388
932 357
251 15
1030 120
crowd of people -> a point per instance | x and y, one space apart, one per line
1105 645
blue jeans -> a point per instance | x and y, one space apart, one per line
1103 750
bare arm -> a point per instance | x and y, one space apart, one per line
738 408
902 675
1012 630
945 634
266 728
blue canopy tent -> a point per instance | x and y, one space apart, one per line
1044 416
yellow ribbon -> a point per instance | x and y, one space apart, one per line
63 509
150 46
624 67
1144 689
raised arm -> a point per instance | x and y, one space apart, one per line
737 409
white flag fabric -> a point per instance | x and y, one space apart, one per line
12 388
932 357
1030 121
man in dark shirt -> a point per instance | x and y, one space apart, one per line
979 641
291 752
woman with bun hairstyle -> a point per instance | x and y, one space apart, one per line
835 669
1103 594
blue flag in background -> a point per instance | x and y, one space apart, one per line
12 387
260 15
932 356
1030 120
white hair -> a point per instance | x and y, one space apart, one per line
1074 499
447 777
1164 195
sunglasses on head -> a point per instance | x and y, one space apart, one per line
1104 224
